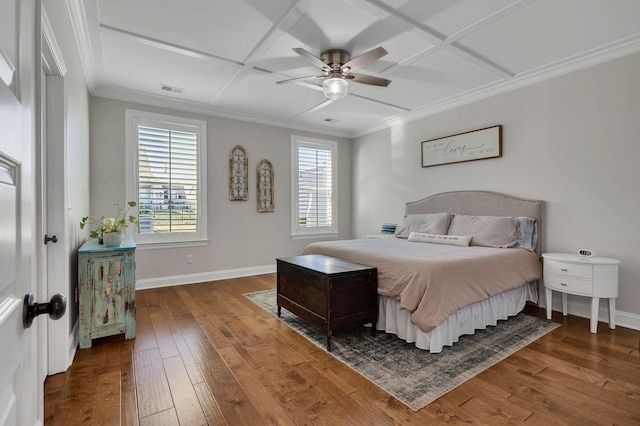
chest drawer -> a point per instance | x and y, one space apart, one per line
567 284
568 269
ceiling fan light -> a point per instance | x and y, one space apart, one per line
335 88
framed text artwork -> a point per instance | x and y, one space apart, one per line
264 189
469 146
238 174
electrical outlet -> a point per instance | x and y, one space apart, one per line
189 259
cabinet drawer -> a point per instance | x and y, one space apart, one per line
568 269
568 285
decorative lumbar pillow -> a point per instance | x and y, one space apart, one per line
433 223
488 231
452 240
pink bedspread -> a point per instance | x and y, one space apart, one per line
432 280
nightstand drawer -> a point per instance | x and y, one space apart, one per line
569 285
568 269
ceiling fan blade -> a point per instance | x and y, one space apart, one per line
365 59
313 59
293 80
368 79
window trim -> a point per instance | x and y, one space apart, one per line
134 118
298 232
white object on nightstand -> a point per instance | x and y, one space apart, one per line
381 235
594 277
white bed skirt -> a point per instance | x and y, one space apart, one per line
393 319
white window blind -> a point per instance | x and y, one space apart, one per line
314 186
167 180
166 175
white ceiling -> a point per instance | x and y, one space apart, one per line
226 55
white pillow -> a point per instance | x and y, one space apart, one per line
452 240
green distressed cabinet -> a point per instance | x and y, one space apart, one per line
107 290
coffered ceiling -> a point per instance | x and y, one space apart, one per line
224 57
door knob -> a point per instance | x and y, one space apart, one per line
56 308
47 238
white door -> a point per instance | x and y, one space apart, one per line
19 399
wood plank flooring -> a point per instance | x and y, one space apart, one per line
204 354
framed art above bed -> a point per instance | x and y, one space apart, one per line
468 146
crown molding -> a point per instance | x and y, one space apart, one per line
584 60
82 12
144 98
82 35
51 53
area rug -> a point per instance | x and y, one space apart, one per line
414 376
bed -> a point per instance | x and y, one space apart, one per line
461 261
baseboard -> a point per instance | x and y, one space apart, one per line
582 309
146 283
627 319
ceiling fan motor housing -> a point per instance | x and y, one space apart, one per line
335 58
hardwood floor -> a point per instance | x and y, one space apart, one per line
204 354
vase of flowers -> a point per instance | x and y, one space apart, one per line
111 229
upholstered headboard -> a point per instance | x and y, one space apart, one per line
482 203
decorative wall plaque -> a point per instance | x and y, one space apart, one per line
468 146
264 189
238 174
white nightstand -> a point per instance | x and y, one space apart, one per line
594 277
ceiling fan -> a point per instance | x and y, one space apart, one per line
337 69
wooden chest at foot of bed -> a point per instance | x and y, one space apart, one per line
331 294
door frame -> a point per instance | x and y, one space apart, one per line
57 342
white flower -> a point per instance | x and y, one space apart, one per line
108 222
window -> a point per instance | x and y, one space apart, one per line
166 176
314 187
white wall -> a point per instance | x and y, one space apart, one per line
241 241
573 141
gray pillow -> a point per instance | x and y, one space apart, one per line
434 223
488 231
527 236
